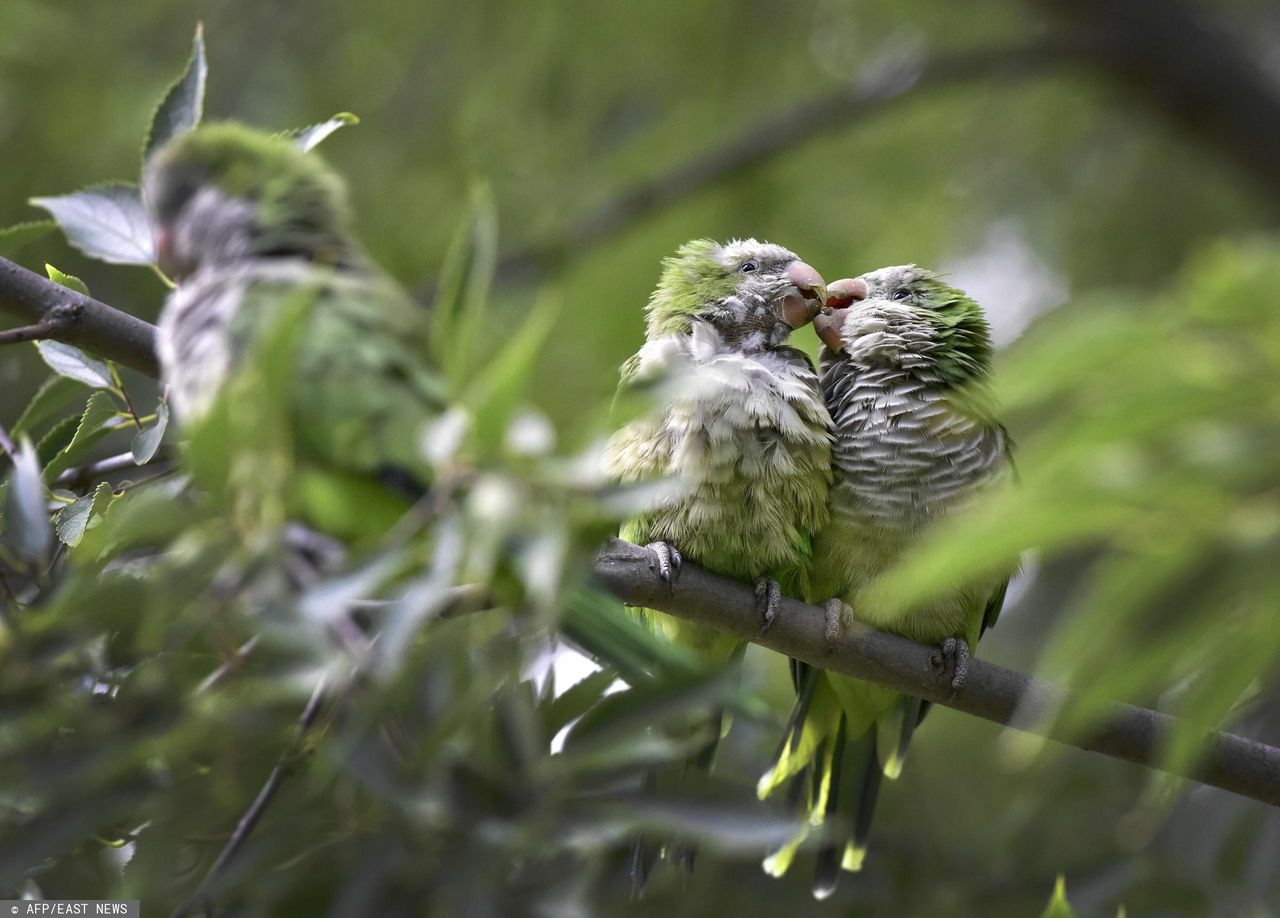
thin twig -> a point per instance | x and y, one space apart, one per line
78 475
260 803
1124 731
822 115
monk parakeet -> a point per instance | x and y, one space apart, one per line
740 428
905 361
247 223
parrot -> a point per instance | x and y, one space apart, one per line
740 428
905 363
246 222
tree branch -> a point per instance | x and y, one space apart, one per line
1127 732
260 803
55 312
820 115
1182 62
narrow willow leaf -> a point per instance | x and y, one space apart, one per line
309 137
1058 906
73 363
106 222
463 289
54 395
183 105
27 527
17 237
57 438
147 441
62 279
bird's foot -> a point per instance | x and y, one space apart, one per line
768 598
952 656
836 613
667 561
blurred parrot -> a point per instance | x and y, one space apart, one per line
247 223
739 427
905 363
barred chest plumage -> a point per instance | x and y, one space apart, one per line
196 339
745 438
904 453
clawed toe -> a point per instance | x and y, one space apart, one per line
666 560
835 612
768 598
952 656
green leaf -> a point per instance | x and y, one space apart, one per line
17 237
309 137
73 363
57 438
183 105
106 222
99 413
55 394
27 527
75 518
577 700
147 441
463 289
70 281
1058 906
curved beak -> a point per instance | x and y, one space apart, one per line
841 296
799 306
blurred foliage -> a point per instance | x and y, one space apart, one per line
158 649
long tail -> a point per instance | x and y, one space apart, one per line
831 767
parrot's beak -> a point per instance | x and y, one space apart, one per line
841 296
804 299
164 252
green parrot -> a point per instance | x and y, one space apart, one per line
246 224
739 429
905 362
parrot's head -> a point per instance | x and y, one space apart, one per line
753 293
225 192
905 316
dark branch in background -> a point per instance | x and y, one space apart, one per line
1185 64
822 115
992 692
260 803
64 315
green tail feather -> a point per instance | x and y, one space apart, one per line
854 783
899 727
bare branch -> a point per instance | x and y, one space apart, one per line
65 315
260 803
83 474
821 115
1183 63
992 692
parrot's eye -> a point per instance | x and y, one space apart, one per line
749 267
901 293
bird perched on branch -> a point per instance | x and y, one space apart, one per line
252 227
905 363
738 427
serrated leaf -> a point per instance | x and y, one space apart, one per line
27 526
183 105
147 441
100 411
106 222
15 238
55 393
74 363
57 439
309 137
62 279
74 518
